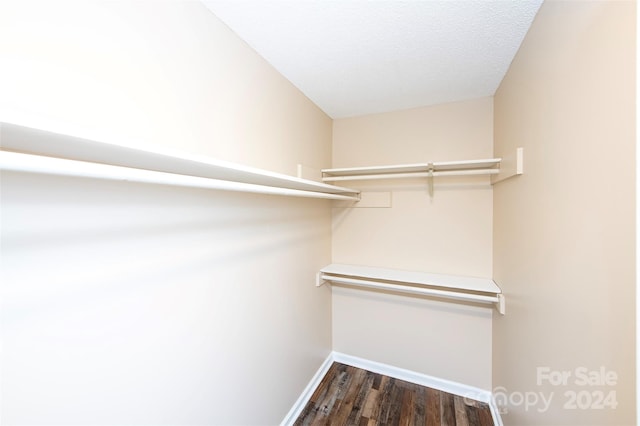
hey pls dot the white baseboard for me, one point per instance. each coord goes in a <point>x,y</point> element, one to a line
<point>397,373</point>
<point>306,394</point>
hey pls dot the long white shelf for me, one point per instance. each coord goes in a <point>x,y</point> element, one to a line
<point>41,151</point>
<point>449,168</point>
<point>473,289</point>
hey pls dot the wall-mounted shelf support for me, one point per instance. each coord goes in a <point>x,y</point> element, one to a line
<point>511,165</point>
<point>430,170</point>
<point>31,150</point>
<point>470,289</point>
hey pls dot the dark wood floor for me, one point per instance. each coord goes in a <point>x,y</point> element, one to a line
<point>352,396</point>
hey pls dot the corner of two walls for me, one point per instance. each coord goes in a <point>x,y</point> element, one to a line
<point>141,304</point>
<point>559,240</point>
<point>450,234</point>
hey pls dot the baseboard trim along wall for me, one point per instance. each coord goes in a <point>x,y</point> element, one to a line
<point>395,372</point>
<point>308,391</point>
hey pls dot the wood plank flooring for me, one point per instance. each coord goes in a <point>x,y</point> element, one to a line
<point>352,396</point>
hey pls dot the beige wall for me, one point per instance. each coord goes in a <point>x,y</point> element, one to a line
<point>564,231</point>
<point>450,234</point>
<point>141,304</point>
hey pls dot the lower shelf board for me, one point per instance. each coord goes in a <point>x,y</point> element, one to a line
<point>352,396</point>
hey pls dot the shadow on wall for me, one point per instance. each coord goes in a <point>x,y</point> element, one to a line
<point>67,241</point>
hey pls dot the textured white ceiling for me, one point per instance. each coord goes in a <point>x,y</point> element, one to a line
<point>355,57</point>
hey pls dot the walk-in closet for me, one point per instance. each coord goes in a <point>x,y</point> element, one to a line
<point>272,212</point>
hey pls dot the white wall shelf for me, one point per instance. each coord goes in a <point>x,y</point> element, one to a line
<point>513,165</point>
<point>449,168</point>
<point>39,151</point>
<point>471,289</point>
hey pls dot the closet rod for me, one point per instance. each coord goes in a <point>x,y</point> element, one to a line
<point>20,162</point>
<point>412,290</point>
<point>412,174</point>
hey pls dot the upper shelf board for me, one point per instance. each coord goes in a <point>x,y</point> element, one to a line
<point>415,168</point>
<point>485,285</point>
<point>27,140</point>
